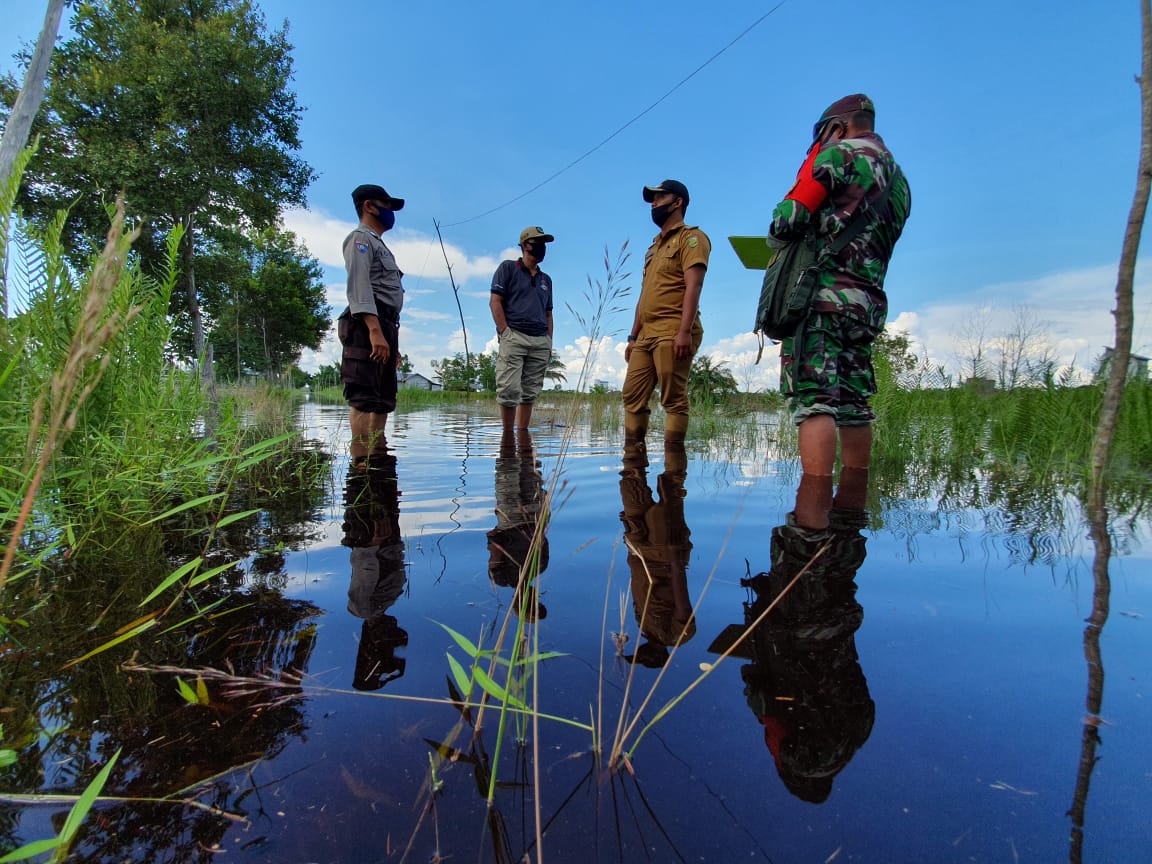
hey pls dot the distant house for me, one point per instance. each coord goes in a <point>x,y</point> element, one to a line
<point>1137,366</point>
<point>416,380</point>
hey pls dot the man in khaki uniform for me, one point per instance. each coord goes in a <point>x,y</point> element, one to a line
<point>666,330</point>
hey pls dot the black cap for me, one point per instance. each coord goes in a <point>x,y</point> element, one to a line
<point>674,186</point>
<point>372,192</point>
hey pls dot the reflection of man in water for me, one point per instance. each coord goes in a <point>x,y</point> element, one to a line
<point>659,546</point>
<point>372,530</point>
<point>805,684</point>
<point>514,559</point>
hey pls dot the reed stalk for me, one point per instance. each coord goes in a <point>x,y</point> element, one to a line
<point>56,410</point>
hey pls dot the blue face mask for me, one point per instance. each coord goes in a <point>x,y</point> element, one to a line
<point>386,218</point>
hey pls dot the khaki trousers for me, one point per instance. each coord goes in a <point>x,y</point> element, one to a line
<point>654,364</point>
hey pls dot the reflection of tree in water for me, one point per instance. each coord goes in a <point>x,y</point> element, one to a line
<point>168,745</point>
<point>171,749</point>
<point>659,548</point>
<point>291,493</point>
<point>1035,514</point>
<point>1090,739</point>
<point>804,683</point>
<point>513,546</point>
<point>372,532</point>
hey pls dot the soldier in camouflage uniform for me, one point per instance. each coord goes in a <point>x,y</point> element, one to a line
<point>826,369</point>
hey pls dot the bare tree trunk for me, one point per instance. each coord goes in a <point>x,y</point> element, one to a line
<point>1090,735</point>
<point>1118,371</point>
<point>32,93</point>
<point>203,352</point>
<point>19,124</point>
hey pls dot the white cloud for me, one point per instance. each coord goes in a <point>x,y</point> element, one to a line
<point>738,354</point>
<point>426,315</point>
<point>418,254</point>
<point>1073,309</point>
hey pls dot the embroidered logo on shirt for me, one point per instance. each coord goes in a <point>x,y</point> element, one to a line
<point>693,242</point>
<point>362,248</point>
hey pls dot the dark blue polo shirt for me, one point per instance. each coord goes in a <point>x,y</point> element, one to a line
<point>527,299</point>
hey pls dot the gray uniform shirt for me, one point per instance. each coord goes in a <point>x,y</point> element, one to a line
<point>372,273</point>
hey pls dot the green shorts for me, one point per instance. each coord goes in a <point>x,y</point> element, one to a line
<point>831,373</point>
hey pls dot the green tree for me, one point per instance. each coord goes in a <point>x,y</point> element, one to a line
<point>183,104</point>
<point>455,373</point>
<point>556,370</point>
<point>709,381</point>
<point>263,300</point>
<point>327,375</point>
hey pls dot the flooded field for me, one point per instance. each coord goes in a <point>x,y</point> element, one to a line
<point>924,687</point>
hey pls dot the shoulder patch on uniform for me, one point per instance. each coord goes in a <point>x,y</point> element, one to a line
<point>693,242</point>
<point>362,248</point>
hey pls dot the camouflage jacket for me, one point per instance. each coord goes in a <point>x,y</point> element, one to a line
<point>853,171</point>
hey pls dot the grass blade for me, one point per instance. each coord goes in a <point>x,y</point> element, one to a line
<point>208,574</point>
<point>135,631</point>
<point>187,505</point>
<point>31,850</point>
<point>175,577</point>
<point>187,692</point>
<point>465,644</point>
<point>463,681</point>
<point>236,517</point>
<point>496,691</point>
<point>79,811</point>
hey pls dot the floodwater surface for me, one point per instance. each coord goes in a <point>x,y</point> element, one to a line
<point>921,689</point>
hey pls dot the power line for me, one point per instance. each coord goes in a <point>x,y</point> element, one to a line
<point>589,152</point>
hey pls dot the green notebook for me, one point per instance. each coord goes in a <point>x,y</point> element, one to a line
<point>753,252</point>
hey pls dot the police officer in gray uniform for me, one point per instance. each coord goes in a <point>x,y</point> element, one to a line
<point>369,327</point>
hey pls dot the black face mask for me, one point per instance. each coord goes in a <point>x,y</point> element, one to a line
<point>661,213</point>
<point>536,250</point>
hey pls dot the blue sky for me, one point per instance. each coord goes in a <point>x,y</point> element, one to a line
<point>1017,125</point>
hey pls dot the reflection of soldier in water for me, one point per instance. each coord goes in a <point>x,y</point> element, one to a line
<point>372,530</point>
<point>659,547</point>
<point>519,509</point>
<point>805,683</point>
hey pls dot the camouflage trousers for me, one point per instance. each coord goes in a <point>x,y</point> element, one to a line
<point>827,369</point>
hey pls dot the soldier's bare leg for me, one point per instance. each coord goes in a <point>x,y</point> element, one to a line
<point>855,446</point>
<point>813,501</point>
<point>818,444</point>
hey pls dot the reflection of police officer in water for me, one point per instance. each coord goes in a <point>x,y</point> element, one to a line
<point>519,509</point>
<point>659,546</point>
<point>804,683</point>
<point>372,530</point>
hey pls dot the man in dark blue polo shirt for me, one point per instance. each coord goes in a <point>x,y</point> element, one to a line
<point>522,309</point>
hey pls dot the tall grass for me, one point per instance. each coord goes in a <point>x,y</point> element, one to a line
<point>99,431</point>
